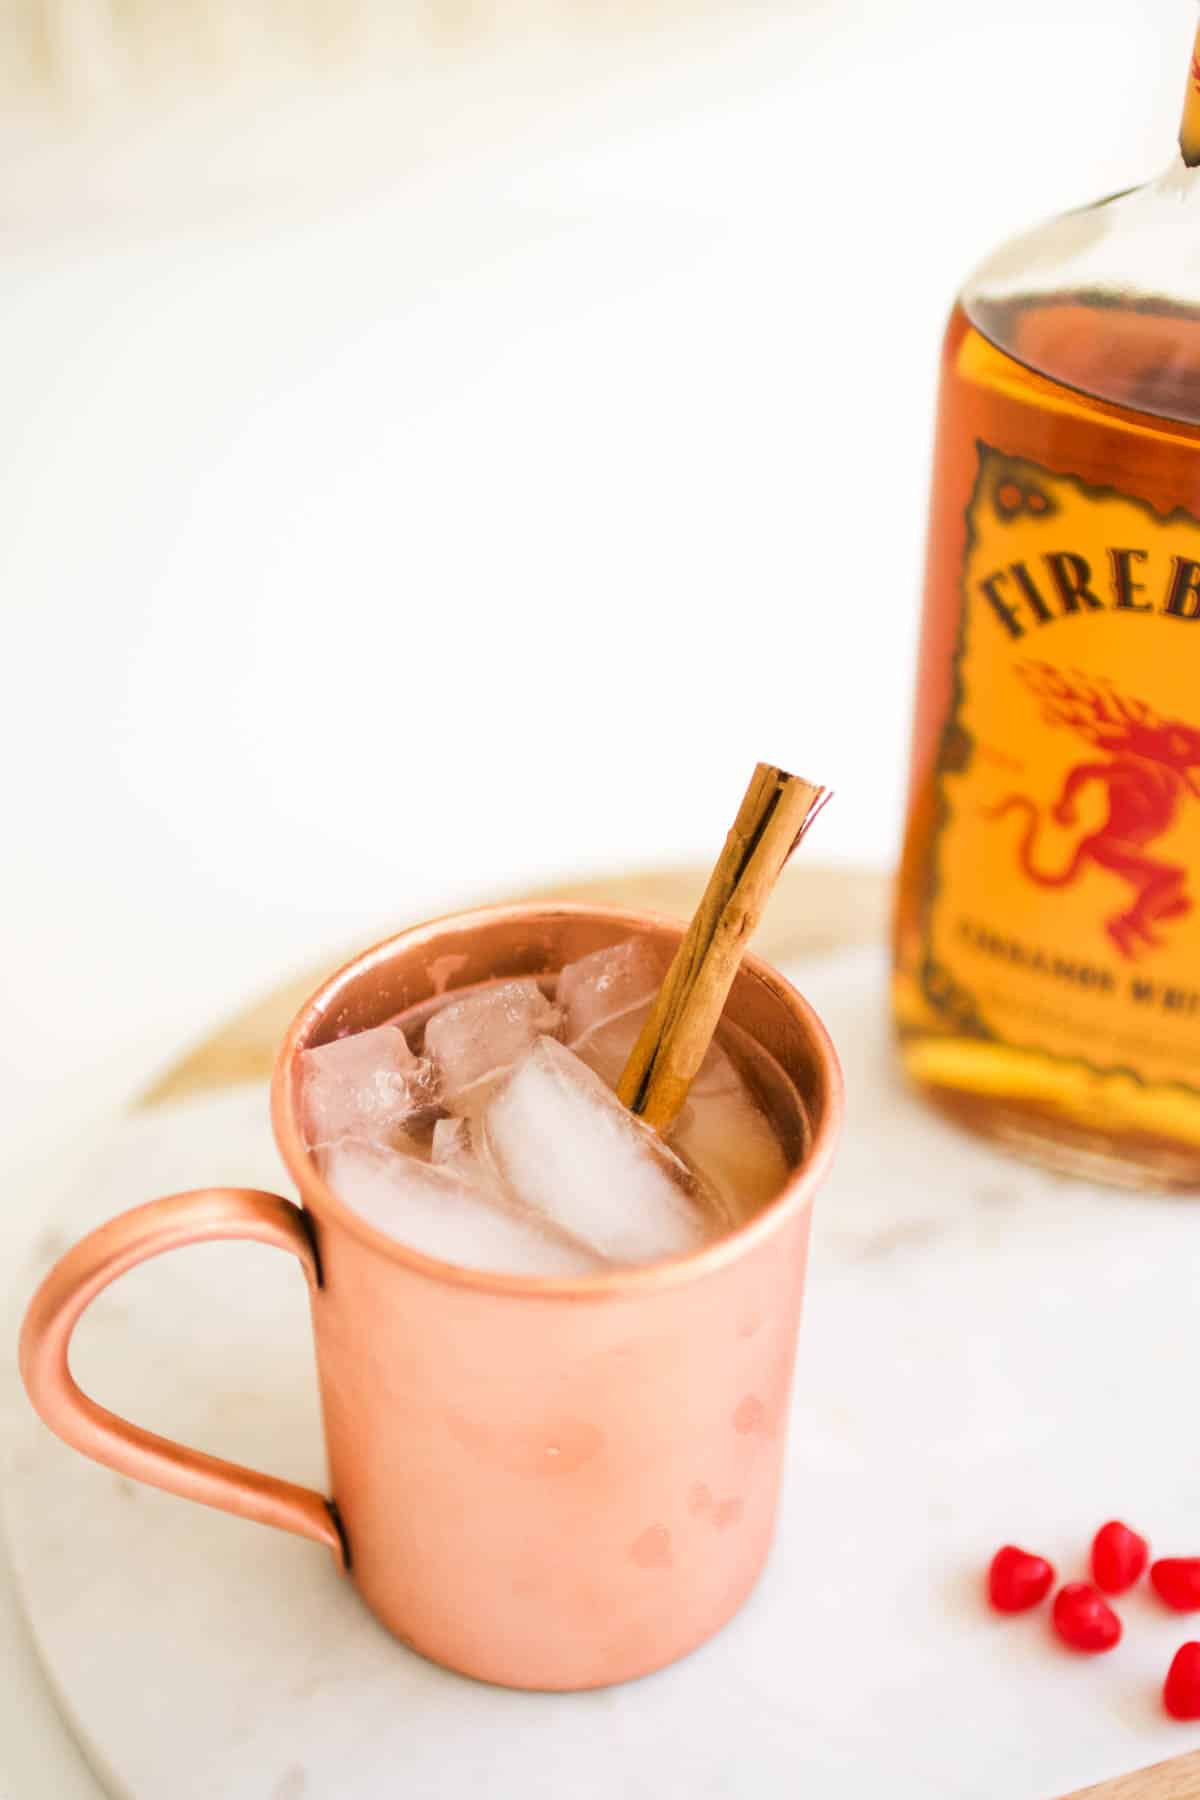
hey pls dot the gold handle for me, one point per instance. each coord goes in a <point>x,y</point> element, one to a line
<point>71,1286</point>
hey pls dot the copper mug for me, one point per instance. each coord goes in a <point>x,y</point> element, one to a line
<point>542,1483</point>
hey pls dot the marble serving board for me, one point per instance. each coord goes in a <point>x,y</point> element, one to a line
<point>988,1353</point>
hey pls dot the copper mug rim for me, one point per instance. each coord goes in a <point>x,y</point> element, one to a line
<point>807,1176</point>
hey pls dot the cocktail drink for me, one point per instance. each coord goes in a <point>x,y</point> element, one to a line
<point>484,1131</point>
<point>554,1231</point>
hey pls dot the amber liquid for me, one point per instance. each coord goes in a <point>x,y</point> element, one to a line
<point>1030,385</point>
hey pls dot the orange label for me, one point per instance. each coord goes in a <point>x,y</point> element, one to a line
<point>1189,130</point>
<point>1064,911</point>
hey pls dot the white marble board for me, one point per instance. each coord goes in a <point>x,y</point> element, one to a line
<point>988,1353</point>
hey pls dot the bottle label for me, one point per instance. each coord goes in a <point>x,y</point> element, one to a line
<point>1063,914</point>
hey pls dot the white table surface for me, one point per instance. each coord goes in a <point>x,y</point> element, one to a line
<point>332,516</point>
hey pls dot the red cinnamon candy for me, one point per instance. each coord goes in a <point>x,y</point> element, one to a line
<point>1176,1580</point>
<point>1119,1557</point>
<point>1018,1580</point>
<point>1181,1689</point>
<point>1084,1620</point>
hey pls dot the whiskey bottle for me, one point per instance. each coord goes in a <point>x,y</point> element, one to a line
<point>1047,930</point>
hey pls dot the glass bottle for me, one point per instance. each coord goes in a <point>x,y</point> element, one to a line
<point>1047,930</point>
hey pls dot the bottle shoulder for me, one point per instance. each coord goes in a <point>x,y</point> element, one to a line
<point>1105,300</point>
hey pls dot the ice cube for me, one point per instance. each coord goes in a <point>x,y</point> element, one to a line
<point>567,1148</point>
<point>728,1139</point>
<point>608,983</point>
<point>607,1047</point>
<point>475,1039</point>
<point>367,1086</point>
<point>451,1141</point>
<point>436,1211</point>
<point>454,1148</point>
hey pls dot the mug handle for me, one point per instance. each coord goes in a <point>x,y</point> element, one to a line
<point>72,1285</point>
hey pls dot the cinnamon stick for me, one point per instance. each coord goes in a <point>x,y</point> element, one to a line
<point>776,811</point>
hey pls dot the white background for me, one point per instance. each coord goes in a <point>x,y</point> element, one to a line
<point>380,535</point>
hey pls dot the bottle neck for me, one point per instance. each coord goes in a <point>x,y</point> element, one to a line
<point>1189,126</point>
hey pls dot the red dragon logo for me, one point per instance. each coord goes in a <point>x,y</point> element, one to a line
<point>1147,776</point>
